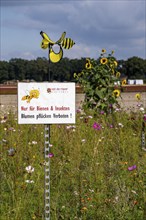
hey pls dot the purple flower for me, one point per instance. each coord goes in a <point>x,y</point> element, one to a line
<point>144,117</point>
<point>102,112</point>
<point>132,168</point>
<point>111,126</point>
<point>50,155</point>
<point>96,126</point>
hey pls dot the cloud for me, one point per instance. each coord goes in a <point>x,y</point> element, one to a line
<point>93,25</point>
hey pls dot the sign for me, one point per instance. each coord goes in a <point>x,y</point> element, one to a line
<point>46,103</point>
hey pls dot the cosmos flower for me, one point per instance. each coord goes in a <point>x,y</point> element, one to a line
<point>29,181</point>
<point>132,168</point>
<point>29,169</point>
<point>96,126</point>
<point>50,155</point>
<point>103,60</point>
<point>116,93</point>
<point>11,152</point>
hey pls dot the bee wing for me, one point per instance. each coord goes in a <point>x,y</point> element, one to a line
<point>46,37</point>
<point>61,38</point>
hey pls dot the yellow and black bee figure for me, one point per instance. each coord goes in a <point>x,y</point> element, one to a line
<point>66,43</point>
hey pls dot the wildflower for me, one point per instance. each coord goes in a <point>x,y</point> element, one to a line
<point>124,82</point>
<point>75,75</point>
<point>141,109</point>
<point>132,168</point>
<point>34,142</point>
<point>121,125</point>
<point>103,60</point>
<point>50,155</point>
<point>103,51</point>
<point>116,93</point>
<point>144,117</point>
<point>76,193</point>
<point>90,116</point>
<point>118,74</point>
<point>88,65</point>
<point>102,112</point>
<point>115,63</point>
<point>83,140</point>
<point>111,126</point>
<point>135,202</point>
<point>134,192</point>
<point>138,96</point>
<point>84,209</point>
<point>29,169</point>
<point>96,126</point>
<point>11,152</point>
<point>29,181</point>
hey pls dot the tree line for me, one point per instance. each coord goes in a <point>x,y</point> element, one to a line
<point>42,70</point>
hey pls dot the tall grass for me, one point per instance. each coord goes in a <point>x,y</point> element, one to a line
<point>90,179</point>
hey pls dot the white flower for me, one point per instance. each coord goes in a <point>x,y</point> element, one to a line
<point>83,140</point>
<point>90,116</point>
<point>34,142</point>
<point>29,169</point>
<point>29,181</point>
<point>121,125</point>
<point>141,109</point>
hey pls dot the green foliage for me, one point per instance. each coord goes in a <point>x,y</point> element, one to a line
<point>38,69</point>
<point>89,171</point>
<point>98,82</point>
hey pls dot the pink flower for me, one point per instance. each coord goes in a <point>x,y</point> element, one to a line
<point>132,168</point>
<point>50,155</point>
<point>96,126</point>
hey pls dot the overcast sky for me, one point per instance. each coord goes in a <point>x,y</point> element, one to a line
<point>118,25</point>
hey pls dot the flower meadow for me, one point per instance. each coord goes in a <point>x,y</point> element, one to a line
<point>98,168</point>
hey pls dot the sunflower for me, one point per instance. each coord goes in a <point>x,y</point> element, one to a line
<point>103,60</point>
<point>138,96</point>
<point>103,51</point>
<point>118,74</point>
<point>115,63</point>
<point>88,65</point>
<point>116,93</point>
<point>124,82</point>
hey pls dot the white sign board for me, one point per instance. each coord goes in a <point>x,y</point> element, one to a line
<point>46,103</point>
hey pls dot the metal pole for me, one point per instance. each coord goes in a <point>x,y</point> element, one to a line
<point>47,164</point>
<point>47,172</point>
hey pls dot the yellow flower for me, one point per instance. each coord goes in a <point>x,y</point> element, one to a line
<point>88,65</point>
<point>103,60</point>
<point>124,82</point>
<point>115,63</point>
<point>118,74</point>
<point>75,75</point>
<point>103,51</point>
<point>116,93</point>
<point>84,209</point>
<point>138,96</point>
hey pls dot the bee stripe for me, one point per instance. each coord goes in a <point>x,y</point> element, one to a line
<point>67,43</point>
